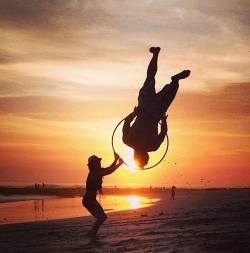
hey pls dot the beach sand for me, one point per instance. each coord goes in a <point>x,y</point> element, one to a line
<point>196,221</point>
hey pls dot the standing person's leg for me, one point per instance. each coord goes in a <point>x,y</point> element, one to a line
<point>147,92</point>
<point>97,211</point>
<point>101,217</point>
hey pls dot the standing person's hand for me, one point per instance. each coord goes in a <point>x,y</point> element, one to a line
<point>117,157</point>
<point>120,161</point>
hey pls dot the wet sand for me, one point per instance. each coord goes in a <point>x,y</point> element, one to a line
<point>196,221</point>
<point>50,208</point>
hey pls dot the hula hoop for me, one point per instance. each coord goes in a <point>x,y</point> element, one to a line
<point>147,168</point>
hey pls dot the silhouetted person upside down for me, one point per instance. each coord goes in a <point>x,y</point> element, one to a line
<point>143,134</point>
<point>93,185</point>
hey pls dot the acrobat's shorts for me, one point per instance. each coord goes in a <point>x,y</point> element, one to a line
<point>156,103</point>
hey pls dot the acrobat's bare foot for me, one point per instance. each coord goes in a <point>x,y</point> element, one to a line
<point>181,75</point>
<point>154,50</point>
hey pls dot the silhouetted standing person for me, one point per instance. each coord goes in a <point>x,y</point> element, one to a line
<point>173,189</point>
<point>94,184</point>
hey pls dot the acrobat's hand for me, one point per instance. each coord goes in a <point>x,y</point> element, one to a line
<point>131,116</point>
<point>164,125</point>
<point>164,117</point>
<point>135,110</point>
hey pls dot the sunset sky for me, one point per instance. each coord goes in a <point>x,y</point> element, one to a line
<point>71,70</point>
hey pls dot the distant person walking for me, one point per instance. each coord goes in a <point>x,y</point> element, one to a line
<point>173,189</point>
<point>94,184</point>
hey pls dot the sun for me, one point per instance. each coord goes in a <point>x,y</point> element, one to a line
<point>130,162</point>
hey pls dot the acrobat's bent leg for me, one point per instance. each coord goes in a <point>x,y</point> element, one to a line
<point>166,96</point>
<point>148,89</point>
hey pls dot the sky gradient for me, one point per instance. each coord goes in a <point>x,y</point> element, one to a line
<point>70,70</point>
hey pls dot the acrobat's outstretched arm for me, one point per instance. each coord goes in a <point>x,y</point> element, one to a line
<point>162,134</point>
<point>128,120</point>
<point>164,128</point>
<point>126,126</point>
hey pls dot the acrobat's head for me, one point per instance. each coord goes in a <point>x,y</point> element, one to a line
<point>141,158</point>
<point>94,162</point>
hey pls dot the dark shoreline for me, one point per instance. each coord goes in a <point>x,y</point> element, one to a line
<point>78,191</point>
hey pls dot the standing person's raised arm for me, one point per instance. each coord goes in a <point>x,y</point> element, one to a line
<point>114,166</point>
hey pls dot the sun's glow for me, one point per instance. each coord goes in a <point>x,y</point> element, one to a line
<point>130,162</point>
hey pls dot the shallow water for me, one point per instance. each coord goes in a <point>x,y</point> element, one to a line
<point>59,208</point>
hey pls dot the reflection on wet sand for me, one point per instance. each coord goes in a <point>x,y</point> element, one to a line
<point>38,205</point>
<point>58,208</point>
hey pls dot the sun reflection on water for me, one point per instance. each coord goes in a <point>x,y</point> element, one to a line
<point>60,208</point>
<point>134,202</point>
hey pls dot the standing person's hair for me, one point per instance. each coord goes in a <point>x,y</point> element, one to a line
<point>92,162</point>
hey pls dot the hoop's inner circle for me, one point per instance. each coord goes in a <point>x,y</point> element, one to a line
<point>127,153</point>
